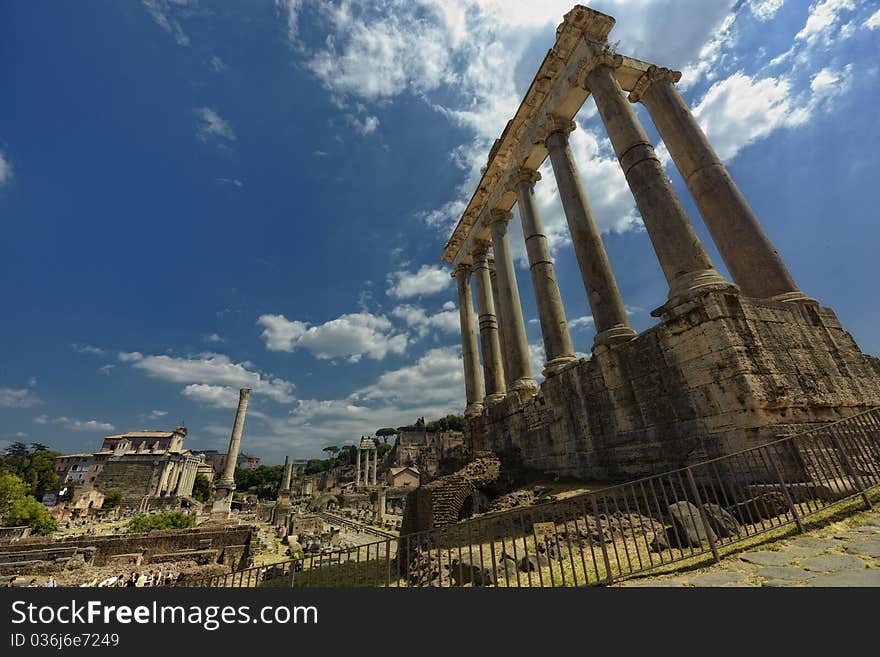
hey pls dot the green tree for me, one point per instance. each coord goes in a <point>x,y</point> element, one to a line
<point>27,511</point>
<point>12,489</point>
<point>202,488</point>
<point>112,499</point>
<point>381,450</point>
<point>384,432</point>
<point>264,480</point>
<point>35,466</point>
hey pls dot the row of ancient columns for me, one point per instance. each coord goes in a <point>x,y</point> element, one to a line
<point>178,477</point>
<point>754,264</point>
<point>369,473</point>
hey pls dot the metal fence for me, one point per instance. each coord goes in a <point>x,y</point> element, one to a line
<point>611,534</point>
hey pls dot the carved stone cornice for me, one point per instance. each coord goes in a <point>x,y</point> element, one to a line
<point>652,75</point>
<point>481,253</point>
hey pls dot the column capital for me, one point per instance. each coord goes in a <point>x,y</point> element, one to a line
<point>524,175</point>
<point>481,253</point>
<point>461,268</point>
<point>557,131</point>
<point>604,57</point>
<point>649,77</point>
<point>499,215</point>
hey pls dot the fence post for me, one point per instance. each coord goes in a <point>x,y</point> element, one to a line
<point>788,498</point>
<point>710,534</point>
<point>847,464</point>
<point>608,576</point>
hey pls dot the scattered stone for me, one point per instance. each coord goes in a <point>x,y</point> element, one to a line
<point>688,525</point>
<point>661,541</point>
<point>766,505</point>
<point>831,563</point>
<point>721,522</point>
<point>473,572</point>
<point>533,562</point>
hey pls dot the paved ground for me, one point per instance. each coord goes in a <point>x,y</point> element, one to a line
<point>845,554</point>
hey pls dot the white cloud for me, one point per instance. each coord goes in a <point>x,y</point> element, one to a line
<point>764,10</point>
<point>160,11</point>
<point>106,369</point>
<point>214,337</point>
<point>89,349</point>
<point>824,17</point>
<point>349,336</point>
<point>211,124</point>
<point>417,318</point>
<point>435,378</point>
<point>211,369</point>
<point>219,396</point>
<point>75,425</point>
<point>872,23</point>
<point>5,169</point>
<point>584,322</point>
<point>366,126</point>
<point>429,279</point>
<point>217,65</point>
<point>18,398</point>
<point>156,414</point>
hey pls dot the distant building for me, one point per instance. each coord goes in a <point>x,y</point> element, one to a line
<point>73,468</point>
<point>424,450</point>
<point>217,460</point>
<point>404,477</point>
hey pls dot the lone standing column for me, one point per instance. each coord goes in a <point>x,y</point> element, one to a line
<point>509,308</point>
<point>684,261</point>
<point>502,340</point>
<point>754,263</point>
<point>493,370</point>
<point>558,349</point>
<point>473,380</point>
<point>227,479</point>
<point>285,484</point>
<point>606,304</point>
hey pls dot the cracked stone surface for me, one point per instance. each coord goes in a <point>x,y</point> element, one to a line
<point>850,558</point>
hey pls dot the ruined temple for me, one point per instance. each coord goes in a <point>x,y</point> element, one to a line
<point>730,363</point>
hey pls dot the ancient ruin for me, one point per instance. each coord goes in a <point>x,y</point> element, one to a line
<point>224,488</point>
<point>731,364</point>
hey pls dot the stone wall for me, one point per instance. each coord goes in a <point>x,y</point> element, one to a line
<point>232,545</point>
<point>719,374</point>
<point>134,479</point>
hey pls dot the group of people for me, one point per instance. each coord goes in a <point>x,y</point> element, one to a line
<point>49,583</point>
<point>137,579</point>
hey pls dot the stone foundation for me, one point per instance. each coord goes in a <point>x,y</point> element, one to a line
<point>721,373</point>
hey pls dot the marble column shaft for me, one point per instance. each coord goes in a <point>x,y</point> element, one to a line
<point>684,261</point>
<point>227,480</point>
<point>606,304</point>
<point>357,468</point>
<point>502,338</point>
<point>473,379</point>
<point>753,261</point>
<point>558,349</point>
<point>493,370</point>
<point>373,471</point>
<point>509,308</point>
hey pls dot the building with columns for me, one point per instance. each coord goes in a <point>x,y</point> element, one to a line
<point>367,455</point>
<point>730,364</point>
<point>144,465</point>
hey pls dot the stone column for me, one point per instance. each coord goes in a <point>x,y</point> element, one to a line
<point>373,471</point>
<point>366,467</point>
<point>473,380</point>
<point>509,308</point>
<point>558,349</point>
<point>181,481</point>
<point>684,261</point>
<point>357,468</point>
<point>502,339</point>
<point>606,304</point>
<point>493,370</point>
<point>226,484</point>
<point>754,263</point>
<point>285,484</point>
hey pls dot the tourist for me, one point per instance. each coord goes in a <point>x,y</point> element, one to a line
<point>11,583</point>
<point>50,583</point>
<point>33,583</point>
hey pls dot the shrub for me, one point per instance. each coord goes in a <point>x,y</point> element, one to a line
<point>143,523</point>
<point>27,511</point>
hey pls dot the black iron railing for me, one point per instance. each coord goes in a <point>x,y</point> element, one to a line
<point>611,534</point>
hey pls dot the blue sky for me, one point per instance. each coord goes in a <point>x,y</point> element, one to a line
<point>197,196</point>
